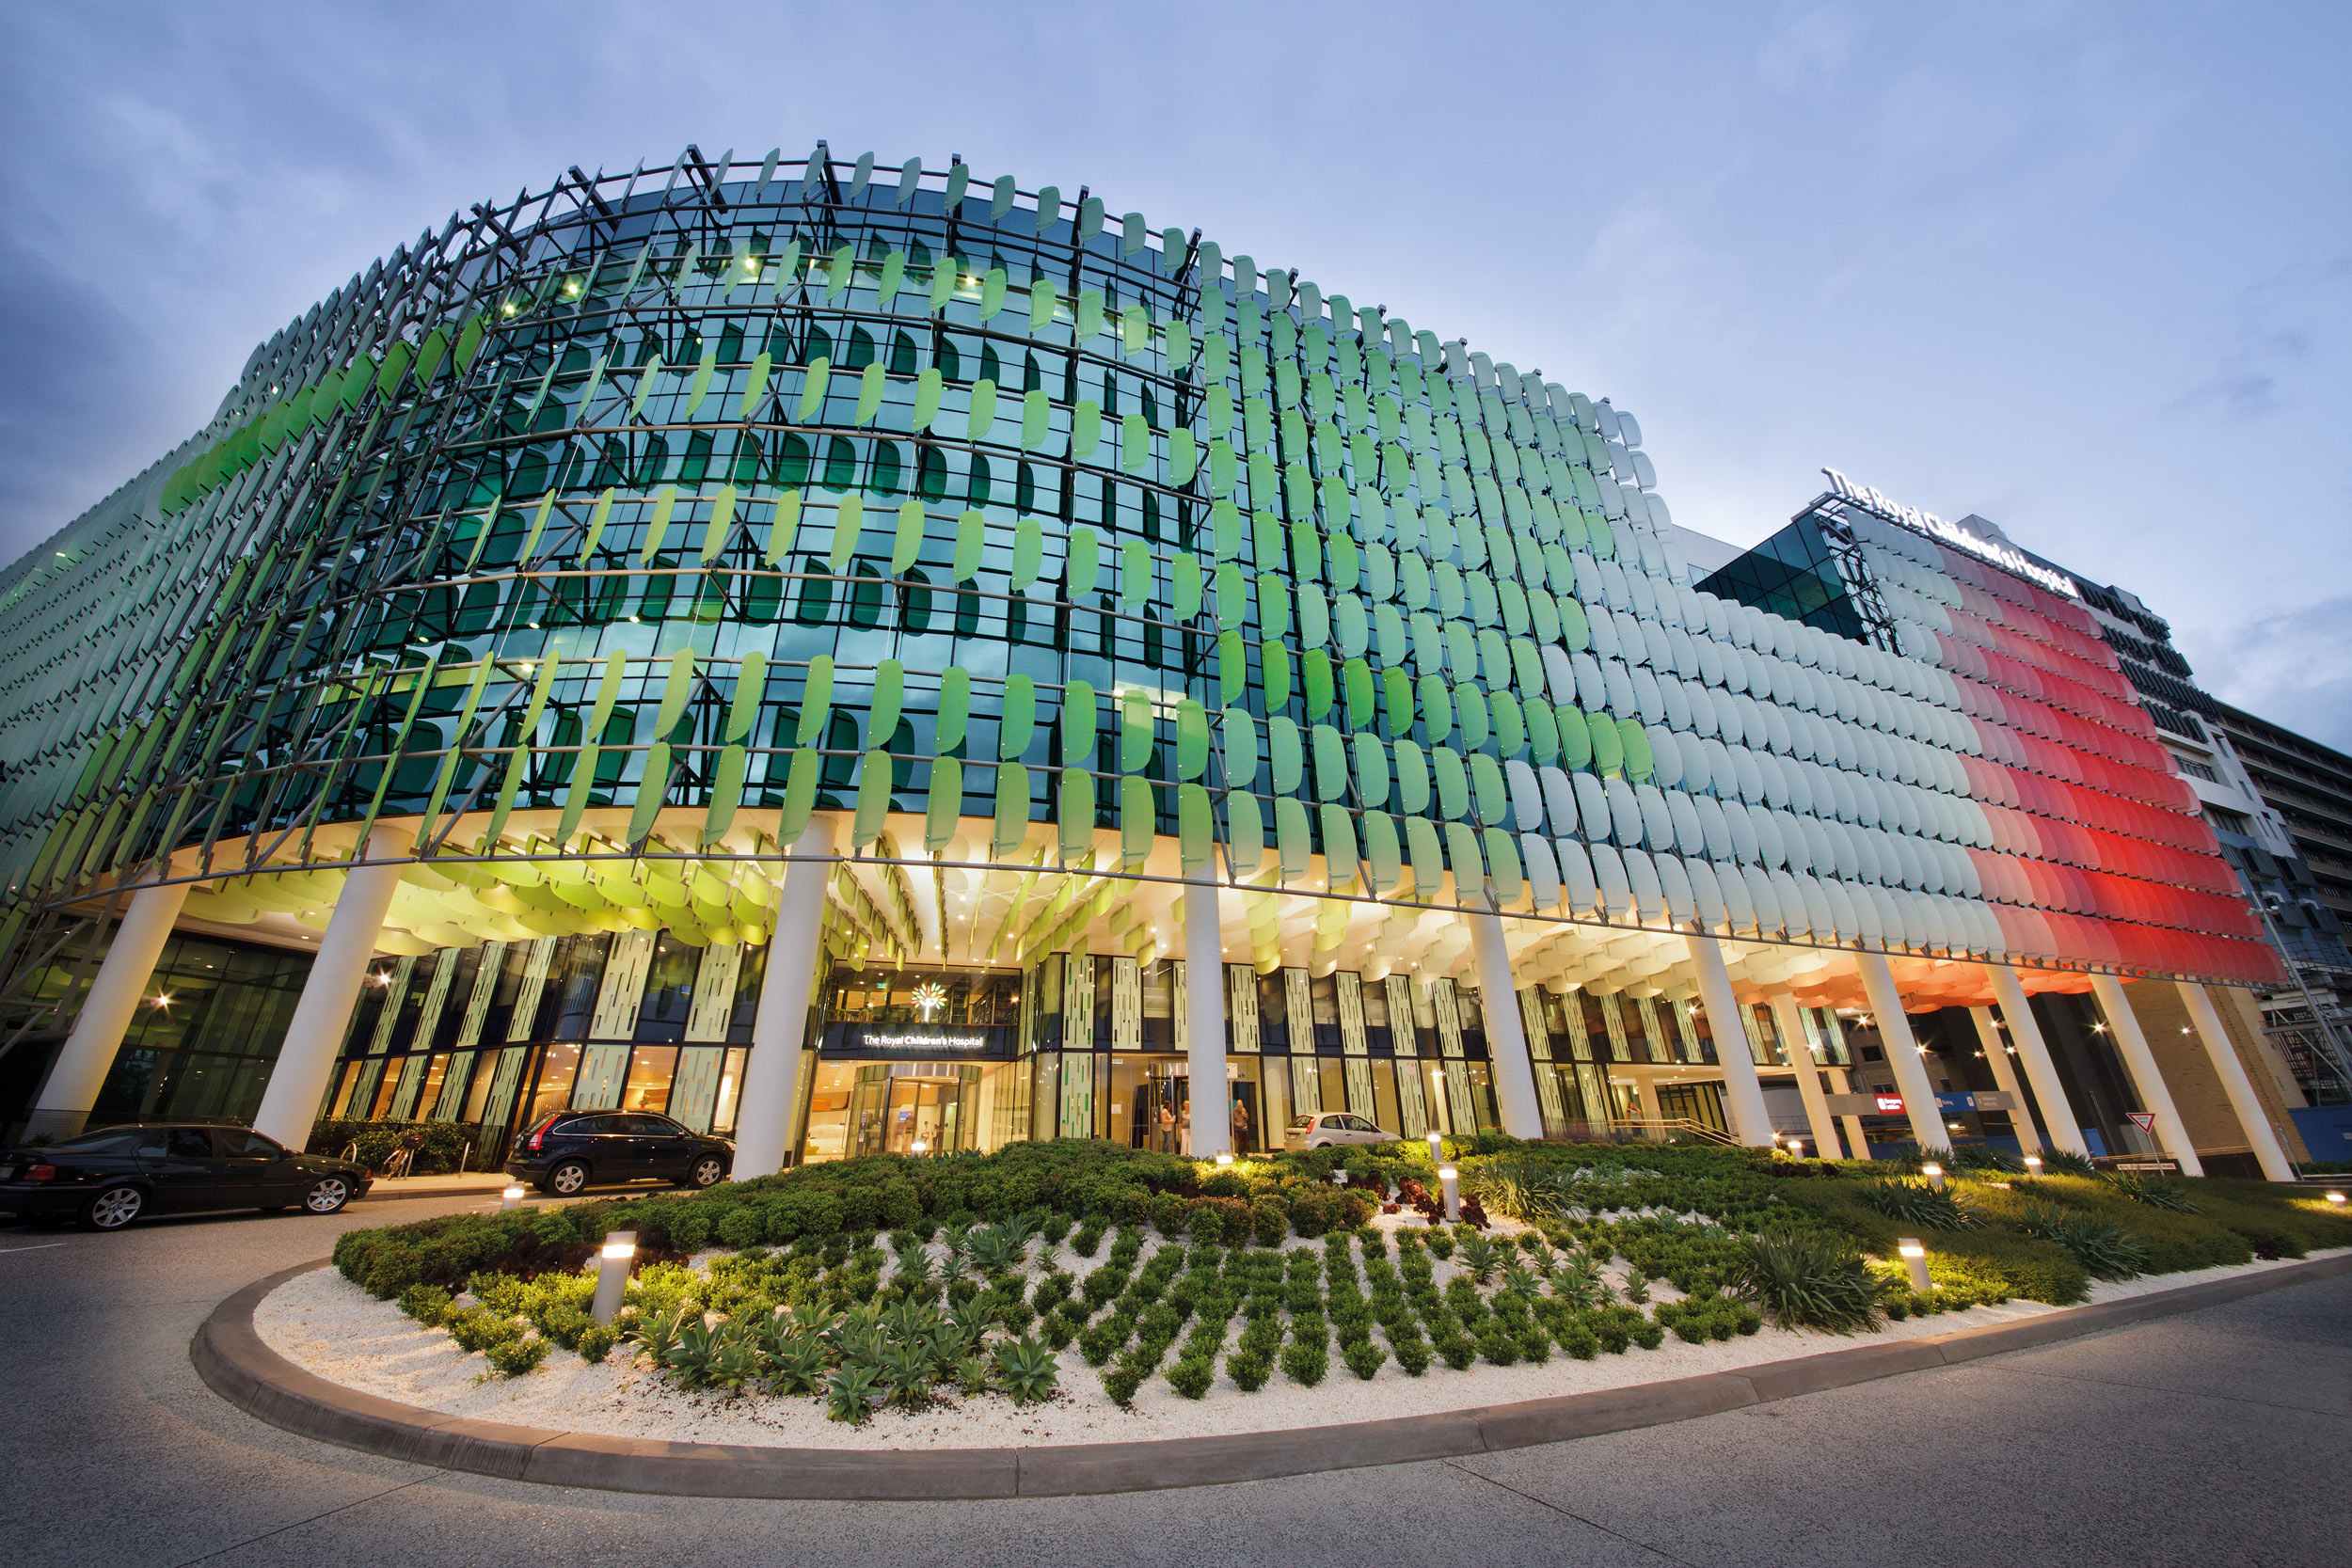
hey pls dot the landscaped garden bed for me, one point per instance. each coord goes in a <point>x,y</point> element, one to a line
<point>1064,1292</point>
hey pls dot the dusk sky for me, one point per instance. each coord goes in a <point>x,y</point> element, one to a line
<point>2085,270</point>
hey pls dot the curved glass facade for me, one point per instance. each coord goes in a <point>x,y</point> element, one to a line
<point>583,553</point>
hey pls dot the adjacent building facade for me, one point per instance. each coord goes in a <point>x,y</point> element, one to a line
<point>897,661</point>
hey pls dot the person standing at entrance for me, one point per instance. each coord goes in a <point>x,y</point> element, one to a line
<point>1184,1129</point>
<point>1167,1128</point>
<point>1241,1124</point>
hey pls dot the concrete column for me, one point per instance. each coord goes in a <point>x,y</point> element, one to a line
<point>80,1070</point>
<point>1792,1037</point>
<point>1506,1032</point>
<point>1856,1140</point>
<point>2058,1117</point>
<point>2240,1089</point>
<point>1204,1021</point>
<point>321,1015</point>
<point>1750,1123</point>
<point>772,1079</point>
<point>1903,1053</point>
<point>2142,1062</point>
<point>2005,1074</point>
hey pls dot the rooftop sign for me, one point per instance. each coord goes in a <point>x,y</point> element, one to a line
<point>1951,533</point>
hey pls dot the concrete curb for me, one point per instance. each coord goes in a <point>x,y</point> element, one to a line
<point>231,1356</point>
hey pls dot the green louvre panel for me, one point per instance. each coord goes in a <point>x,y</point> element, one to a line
<point>1090,315</point>
<point>1469,711</point>
<point>1397,688</point>
<point>1135,331</point>
<point>1314,617</point>
<point>394,366</point>
<point>906,546</point>
<point>1494,800</point>
<point>1225,518</point>
<point>1265,529</point>
<point>676,690</point>
<point>1350,626</point>
<point>1184,456</point>
<point>1134,732</point>
<point>1510,732</point>
<point>700,388</point>
<point>1196,827</point>
<point>944,807</point>
<point>650,790</point>
<point>751,684</point>
<point>1135,443</point>
<point>1362,703</point>
<point>849,522</point>
<point>1639,761</point>
<point>955,707</point>
<point>928,387</point>
<point>981,419</point>
<point>657,528</point>
<point>1452,781</point>
<point>1036,413</point>
<point>1192,740</point>
<point>470,342</point>
<point>1075,812</point>
<point>871,384</point>
<point>1043,298</point>
<point>1274,660</point>
<point>1084,561</point>
<point>1274,605</point>
<point>881,721</point>
<point>1240,735</point>
<point>1427,850</point>
<point>1085,429</point>
<point>1382,854</point>
<point>1468,866</point>
<point>1576,738</point>
<point>1184,570</point>
<point>1245,834</point>
<point>1413,779</point>
<point>429,355</point>
<point>1136,823</point>
<point>811,387</point>
<point>1371,770</point>
<point>816,700</point>
<point>971,535</point>
<point>1285,754</point>
<point>1436,706</point>
<point>1020,720</point>
<point>715,533</point>
<point>873,798</point>
<point>1029,552</point>
<point>1078,716</point>
<point>1502,866</point>
<point>1012,810</point>
<point>1233,666</point>
<point>1543,731</point>
<point>1339,844</point>
<point>1608,744</point>
<point>894,274</point>
<point>1316,667</point>
<point>1294,837</point>
<point>1330,753</point>
<point>1222,473</point>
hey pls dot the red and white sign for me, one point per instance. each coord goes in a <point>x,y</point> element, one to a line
<point>2145,1119</point>
<point>1889,1104</point>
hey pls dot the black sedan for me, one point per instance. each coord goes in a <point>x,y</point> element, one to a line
<point>109,1176</point>
<point>566,1150</point>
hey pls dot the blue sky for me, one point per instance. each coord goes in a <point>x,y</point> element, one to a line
<point>2086,270</point>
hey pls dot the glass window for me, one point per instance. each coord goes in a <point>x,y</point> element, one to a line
<point>98,1143</point>
<point>249,1144</point>
<point>556,1071</point>
<point>191,1143</point>
<point>651,1070</point>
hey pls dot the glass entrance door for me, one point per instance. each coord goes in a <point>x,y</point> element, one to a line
<point>923,1109</point>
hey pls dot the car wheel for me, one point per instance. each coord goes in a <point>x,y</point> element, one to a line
<point>113,1208</point>
<point>567,1179</point>
<point>327,1196</point>
<point>709,1171</point>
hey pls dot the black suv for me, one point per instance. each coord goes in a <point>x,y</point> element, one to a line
<point>566,1150</point>
<point>109,1176</point>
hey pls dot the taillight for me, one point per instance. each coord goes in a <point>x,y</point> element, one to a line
<point>42,1173</point>
<point>538,1140</point>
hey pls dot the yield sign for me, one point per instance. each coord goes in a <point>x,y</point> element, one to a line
<point>2147,1119</point>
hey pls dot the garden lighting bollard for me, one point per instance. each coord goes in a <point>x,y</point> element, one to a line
<point>1796,1148</point>
<point>1449,1179</point>
<point>1436,1154</point>
<point>612,1261</point>
<point>1935,1173</point>
<point>2335,1200</point>
<point>1915,1260</point>
<point>2033,1165</point>
<point>1224,1161</point>
<point>919,1147</point>
<point>512,1198</point>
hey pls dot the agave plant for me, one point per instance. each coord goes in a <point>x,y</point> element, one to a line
<point>972,1315</point>
<point>911,1322</point>
<point>1807,1280</point>
<point>914,1263</point>
<point>1578,1282</point>
<point>906,1372</point>
<point>1540,1256</point>
<point>2103,1250</point>
<point>737,1362</point>
<point>996,1249</point>
<point>814,1320</point>
<point>1026,1370</point>
<point>1520,1280</point>
<point>658,1331</point>
<point>2059,1162</point>
<point>947,1345</point>
<point>2168,1195</point>
<point>852,1391</point>
<point>1916,1203</point>
<point>1479,1256</point>
<point>972,1376</point>
<point>697,1349</point>
<point>797,1366</point>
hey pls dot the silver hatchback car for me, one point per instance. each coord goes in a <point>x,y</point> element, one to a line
<point>1332,1127</point>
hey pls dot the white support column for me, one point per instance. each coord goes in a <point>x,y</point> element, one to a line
<point>1903,1053</point>
<point>1857,1141</point>
<point>2005,1074</point>
<point>314,1036</point>
<point>1792,1038</point>
<point>2207,1019</point>
<point>772,1079</point>
<point>2142,1064</point>
<point>80,1070</point>
<point>2058,1117</point>
<point>1750,1123</point>
<point>1204,1021</point>
<point>1506,1033</point>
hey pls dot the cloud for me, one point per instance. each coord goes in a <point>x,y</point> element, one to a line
<point>2293,668</point>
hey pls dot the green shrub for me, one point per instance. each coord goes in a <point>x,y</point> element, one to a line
<point>427,1304</point>
<point>1916,1203</point>
<point>1192,1375</point>
<point>1809,1280</point>
<point>2102,1248</point>
<point>476,1329</point>
<point>1306,1361</point>
<point>2170,1197</point>
<point>513,1357</point>
<point>596,1342</point>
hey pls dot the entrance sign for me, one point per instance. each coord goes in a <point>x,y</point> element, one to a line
<point>1951,533</point>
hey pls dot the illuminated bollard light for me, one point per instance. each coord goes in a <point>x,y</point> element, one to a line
<point>1224,1161</point>
<point>1437,1148</point>
<point>2335,1200</point>
<point>920,1148</point>
<point>612,1261</point>
<point>1915,1260</point>
<point>1935,1173</point>
<point>1450,1179</point>
<point>2033,1165</point>
<point>513,1196</point>
<point>1796,1147</point>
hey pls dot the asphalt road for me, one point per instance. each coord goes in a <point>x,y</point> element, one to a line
<point>2220,1437</point>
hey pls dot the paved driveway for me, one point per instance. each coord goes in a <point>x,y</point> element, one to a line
<point>2216,1438</point>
